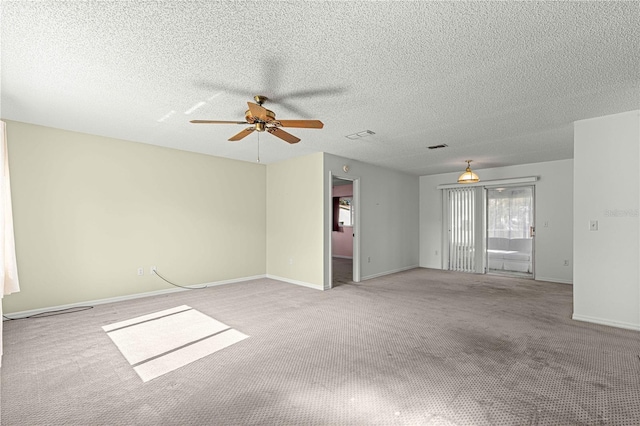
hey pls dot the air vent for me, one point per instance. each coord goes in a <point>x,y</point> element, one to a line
<point>361,134</point>
<point>442,145</point>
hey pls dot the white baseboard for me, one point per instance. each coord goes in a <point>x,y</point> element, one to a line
<point>20,314</point>
<point>381,274</point>
<point>296,282</point>
<point>553,280</point>
<point>610,323</point>
<point>342,257</point>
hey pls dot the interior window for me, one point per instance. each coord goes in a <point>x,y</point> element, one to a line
<point>345,217</point>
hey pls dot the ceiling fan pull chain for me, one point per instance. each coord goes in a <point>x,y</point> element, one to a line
<point>258,160</point>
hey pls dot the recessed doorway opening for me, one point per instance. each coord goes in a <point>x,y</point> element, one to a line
<point>344,226</point>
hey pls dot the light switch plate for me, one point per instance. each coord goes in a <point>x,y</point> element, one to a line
<point>593,225</point>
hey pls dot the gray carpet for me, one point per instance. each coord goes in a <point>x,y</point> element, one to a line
<point>417,347</point>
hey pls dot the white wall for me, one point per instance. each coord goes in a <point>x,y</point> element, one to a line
<point>607,189</point>
<point>388,217</point>
<point>554,205</point>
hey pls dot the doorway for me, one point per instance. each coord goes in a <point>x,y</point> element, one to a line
<point>510,231</point>
<point>343,231</point>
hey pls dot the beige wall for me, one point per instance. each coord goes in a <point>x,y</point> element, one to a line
<point>295,220</point>
<point>90,210</point>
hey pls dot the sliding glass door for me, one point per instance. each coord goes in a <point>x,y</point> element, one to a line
<point>510,230</point>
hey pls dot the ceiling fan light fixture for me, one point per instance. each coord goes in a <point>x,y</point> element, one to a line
<point>468,176</point>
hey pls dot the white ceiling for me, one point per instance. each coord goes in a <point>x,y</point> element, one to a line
<point>499,82</point>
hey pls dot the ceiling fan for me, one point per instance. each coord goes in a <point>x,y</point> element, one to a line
<point>264,120</point>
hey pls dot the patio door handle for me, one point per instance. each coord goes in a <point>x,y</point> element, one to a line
<point>532,231</point>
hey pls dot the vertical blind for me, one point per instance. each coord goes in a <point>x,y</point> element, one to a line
<point>462,204</point>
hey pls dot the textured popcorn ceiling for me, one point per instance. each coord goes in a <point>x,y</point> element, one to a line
<point>499,82</point>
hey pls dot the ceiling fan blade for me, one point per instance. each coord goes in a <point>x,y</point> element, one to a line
<point>287,137</point>
<point>258,111</point>
<point>303,124</point>
<point>217,122</point>
<point>243,134</point>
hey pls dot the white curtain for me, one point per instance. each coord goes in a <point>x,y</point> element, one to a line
<point>9,269</point>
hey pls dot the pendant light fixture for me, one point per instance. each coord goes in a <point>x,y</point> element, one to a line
<point>468,176</point>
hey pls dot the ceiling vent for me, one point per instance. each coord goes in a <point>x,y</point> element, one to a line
<point>361,134</point>
<point>442,145</point>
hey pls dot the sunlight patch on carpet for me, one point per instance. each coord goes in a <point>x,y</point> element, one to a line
<point>158,343</point>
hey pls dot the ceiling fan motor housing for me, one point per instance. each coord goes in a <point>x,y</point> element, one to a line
<point>270,116</point>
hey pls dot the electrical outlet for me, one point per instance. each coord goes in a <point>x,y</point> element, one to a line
<point>566,262</point>
<point>152,270</point>
<point>369,259</point>
<point>140,271</point>
<point>291,261</point>
<point>436,252</point>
